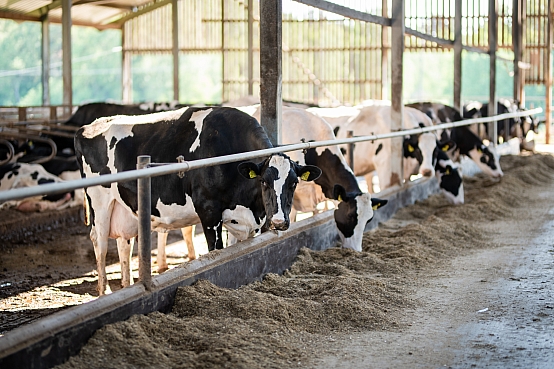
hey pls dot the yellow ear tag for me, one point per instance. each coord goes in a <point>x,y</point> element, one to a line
<point>448,172</point>
<point>479,151</point>
<point>445,147</point>
<point>411,148</point>
<point>252,174</point>
<point>339,198</point>
<point>305,176</point>
<point>375,207</point>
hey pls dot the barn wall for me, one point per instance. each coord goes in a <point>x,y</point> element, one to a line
<point>327,59</point>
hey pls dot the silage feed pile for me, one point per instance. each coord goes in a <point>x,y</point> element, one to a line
<point>279,322</point>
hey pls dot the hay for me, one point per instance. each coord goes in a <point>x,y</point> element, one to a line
<point>279,322</point>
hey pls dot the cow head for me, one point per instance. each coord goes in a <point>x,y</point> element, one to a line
<point>354,211</point>
<point>449,175</point>
<point>487,160</point>
<point>278,176</point>
<point>424,149</point>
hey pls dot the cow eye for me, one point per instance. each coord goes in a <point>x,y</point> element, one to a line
<point>264,183</point>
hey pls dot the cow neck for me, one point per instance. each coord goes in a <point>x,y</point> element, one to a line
<point>334,171</point>
<point>465,140</point>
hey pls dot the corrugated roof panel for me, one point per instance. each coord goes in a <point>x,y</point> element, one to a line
<point>23,6</point>
<point>88,14</point>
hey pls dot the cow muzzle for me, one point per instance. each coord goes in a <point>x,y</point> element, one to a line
<point>279,224</point>
<point>427,172</point>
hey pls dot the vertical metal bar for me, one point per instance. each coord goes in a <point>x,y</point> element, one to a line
<point>22,114</point>
<point>224,90</point>
<point>175,24</point>
<point>53,113</point>
<point>493,43</point>
<point>548,108</point>
<point>66,58</point>
<point>350,134</point>
<point>516,41</point>
<point>144,231</point>
<point>385,55</point>
<point>458,55</point>
<point>127,81</point>
<point>270,68</point>
<point>250,47</point>
<point>45,55</point>
<point>397,111</point>
<point>523,33</point>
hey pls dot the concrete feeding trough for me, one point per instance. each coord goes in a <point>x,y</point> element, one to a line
<point>51,340</point>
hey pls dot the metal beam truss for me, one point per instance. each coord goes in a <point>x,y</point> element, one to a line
<point>332,51</point>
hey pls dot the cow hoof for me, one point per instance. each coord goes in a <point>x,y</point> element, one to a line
<point>161,270</point>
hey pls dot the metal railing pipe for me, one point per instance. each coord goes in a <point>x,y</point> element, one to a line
<point>144,230</point>
<point>162,169</point>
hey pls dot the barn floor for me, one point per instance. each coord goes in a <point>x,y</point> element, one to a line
<point>486,301</point>
<point>493,308</point>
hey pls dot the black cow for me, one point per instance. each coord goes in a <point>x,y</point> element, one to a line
<point>244,197</point>
<point>467,143</point>
<point>517,127</point>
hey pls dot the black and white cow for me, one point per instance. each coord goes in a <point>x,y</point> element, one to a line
<point>370,156</point>
<point>337,181</point>
<point>19,175</point>
<point>244,197</point>
<point>466,141</point>
<point>449,175</point>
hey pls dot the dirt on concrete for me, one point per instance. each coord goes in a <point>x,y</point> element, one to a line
<point>436,286</point>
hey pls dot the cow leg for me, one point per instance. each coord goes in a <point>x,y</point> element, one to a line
<point>293,213</point>
<point>161,259</point>
<point>213,233</point>
<point>231,240</point>
<point>125,250</point>
<point>369,181</point>
<point>100,243</point>
<point>187,236</point>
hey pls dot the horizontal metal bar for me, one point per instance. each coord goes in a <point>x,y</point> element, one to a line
<point>155,171</point>
<point>346,12</point>
<point>424,36</point>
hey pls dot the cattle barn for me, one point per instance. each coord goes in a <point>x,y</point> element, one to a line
<point>293,203</point>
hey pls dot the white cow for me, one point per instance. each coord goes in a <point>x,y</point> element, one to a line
<point>370,156</point>
<point>18,175</point>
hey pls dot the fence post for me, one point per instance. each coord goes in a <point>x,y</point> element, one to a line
<point>144,231</point>
<point>350,134</point>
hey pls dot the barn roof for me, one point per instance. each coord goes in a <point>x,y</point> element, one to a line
<point>100,14</point>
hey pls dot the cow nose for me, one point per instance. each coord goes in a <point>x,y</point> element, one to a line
<point>279,224</point>
<point>427,173</point>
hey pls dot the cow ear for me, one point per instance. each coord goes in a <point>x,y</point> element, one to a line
<point>377,203</point>
<point>249,170</point>
<point>308,172</point>
<point>339,193</point>
<point>446,146</point>
<point>408,147</point>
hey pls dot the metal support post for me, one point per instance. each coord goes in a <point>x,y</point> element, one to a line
<point>458,56</point>
<point>493,44</point>
<point>45,56</point>
<point>144,231</point>
<point>270,68</point>
<point>66,57</point>
<point>350,134</point>
<point>397,111</point>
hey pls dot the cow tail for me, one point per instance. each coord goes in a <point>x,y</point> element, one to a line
<point>86,206</point>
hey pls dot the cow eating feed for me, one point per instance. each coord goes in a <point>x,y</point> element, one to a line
<point>245,197</point>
